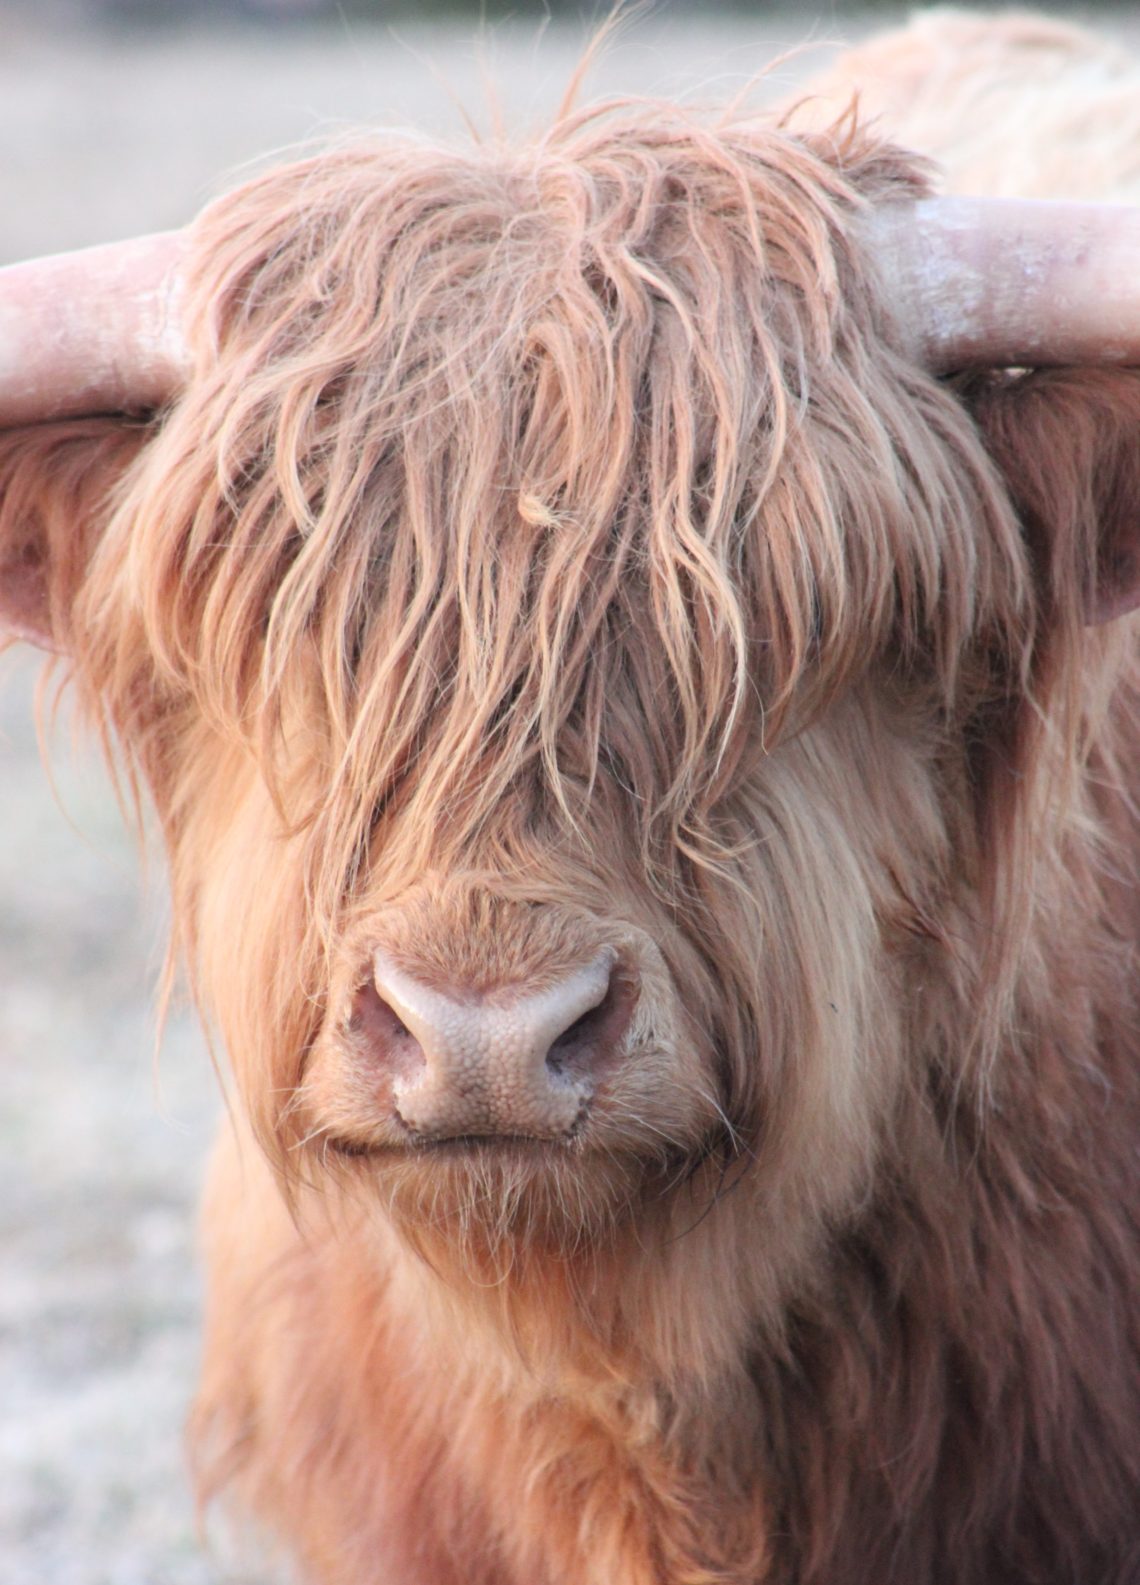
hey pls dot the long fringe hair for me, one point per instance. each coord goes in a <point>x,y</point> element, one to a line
<point>537,467</point>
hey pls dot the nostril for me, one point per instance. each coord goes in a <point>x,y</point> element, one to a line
<point>580,1030</point>
<point>382,1032</point>
<point>596,1034</point>
<point>575,1042</point>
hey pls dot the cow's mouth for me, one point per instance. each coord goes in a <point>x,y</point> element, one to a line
<point>659,1172</point>
<point>490,1206</point>
<point>454,1146</point>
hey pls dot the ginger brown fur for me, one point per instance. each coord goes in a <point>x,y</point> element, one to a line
<point>554,547</point>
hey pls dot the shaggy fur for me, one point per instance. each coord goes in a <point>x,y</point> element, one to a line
<point>970,90</point>
<point>553,548</point>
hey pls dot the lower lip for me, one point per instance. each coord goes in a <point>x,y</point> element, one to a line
<point>460,1145</point>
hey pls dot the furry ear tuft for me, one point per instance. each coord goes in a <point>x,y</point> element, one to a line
<point>55,486</point>
<point>1068,444</point>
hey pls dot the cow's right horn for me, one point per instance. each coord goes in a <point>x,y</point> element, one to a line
<point>95,331</point>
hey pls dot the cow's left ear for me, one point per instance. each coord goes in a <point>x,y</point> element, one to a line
<point>1068,444</point>
<point>56,485</point>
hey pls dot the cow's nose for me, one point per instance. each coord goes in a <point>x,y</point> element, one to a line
<point>510,1061</point>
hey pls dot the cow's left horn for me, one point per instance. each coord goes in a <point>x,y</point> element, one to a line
<point>96,331</point>
<point>1002,283</point>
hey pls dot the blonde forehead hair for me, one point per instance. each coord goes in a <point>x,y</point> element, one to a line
<point>527,463</point>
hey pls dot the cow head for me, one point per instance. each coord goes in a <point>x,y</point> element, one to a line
<point>590,677</point>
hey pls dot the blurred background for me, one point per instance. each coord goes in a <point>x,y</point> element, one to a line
<point>117,117</point>
<point>148,12</point>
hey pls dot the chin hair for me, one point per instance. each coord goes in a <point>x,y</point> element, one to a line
<point>490,1209</point>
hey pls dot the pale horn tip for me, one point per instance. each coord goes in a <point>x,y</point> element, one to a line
<point>94,331</point>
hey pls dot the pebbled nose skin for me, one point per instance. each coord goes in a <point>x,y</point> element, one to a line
<point>507,1062</point>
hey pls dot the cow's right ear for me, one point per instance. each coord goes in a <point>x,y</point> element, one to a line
<point>56,487</point>
<point>1067,442</point>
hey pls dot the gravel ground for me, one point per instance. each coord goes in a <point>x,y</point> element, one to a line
<point>99,1292</point>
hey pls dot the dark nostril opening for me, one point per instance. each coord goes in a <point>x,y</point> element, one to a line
<point>597,1033</point>
<point>580,1029</point>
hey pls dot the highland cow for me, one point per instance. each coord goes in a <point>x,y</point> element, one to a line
<point>642,743</point>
